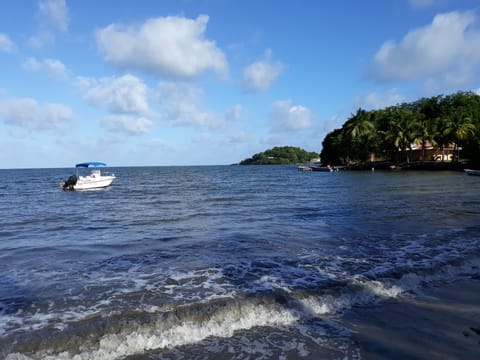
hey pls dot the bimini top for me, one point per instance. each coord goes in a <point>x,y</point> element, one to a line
<point>91,164</point>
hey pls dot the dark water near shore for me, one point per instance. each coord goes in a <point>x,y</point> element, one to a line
<point>221,262</point>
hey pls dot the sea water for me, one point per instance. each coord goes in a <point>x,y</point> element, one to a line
<point>221,262</point>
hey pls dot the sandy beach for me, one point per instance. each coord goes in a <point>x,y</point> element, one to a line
<point>440,323</point>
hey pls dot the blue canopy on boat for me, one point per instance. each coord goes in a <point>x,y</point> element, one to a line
<point>91,164</point>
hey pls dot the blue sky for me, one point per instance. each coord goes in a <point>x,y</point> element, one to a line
<point>200,82</point>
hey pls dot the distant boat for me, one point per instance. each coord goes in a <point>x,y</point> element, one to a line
<point>96,180</point>
<point>304,168</point>
<point>327,168</point>
<point>472,172</point>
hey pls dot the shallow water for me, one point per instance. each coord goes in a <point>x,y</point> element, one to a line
<point>221,261</point>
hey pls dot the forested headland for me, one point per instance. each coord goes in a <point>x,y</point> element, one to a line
<point>443,128</point>
<point>281,155</point>
<point>392,134</point>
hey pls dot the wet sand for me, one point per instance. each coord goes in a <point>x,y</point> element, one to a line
<point>440,323</point>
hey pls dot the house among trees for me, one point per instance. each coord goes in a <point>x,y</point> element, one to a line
<point>430,129</point>
<point>428,152</point>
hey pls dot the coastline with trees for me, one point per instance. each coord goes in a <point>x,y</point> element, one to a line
<point>436,133</point>
<point>441,131</point>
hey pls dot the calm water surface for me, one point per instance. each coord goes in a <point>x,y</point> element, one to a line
<point>221,262</point>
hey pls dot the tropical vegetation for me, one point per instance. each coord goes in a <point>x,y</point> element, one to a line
<point>390,133</point>
<point>281,155</point>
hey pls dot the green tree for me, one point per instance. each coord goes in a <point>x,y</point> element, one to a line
<point>439,120</point>
<point>459,129</point>
<point>280,155</point>
<point>362,132</point>
<point>404,130</point>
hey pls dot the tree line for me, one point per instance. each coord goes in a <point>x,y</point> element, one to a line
<point>281,155</point>
<point>390,133</point>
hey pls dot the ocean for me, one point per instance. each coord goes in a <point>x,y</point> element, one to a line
<point>221,262</point>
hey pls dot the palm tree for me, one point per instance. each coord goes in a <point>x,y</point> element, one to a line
<point>404,130</point>
<point>425,133</point>
<point>441,134</point>
<point>428,110</point>
<point>362,131</point>
<point>459,129</point>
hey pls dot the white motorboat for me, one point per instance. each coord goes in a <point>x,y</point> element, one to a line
<point>95,180</point>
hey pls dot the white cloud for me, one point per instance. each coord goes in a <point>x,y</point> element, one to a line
<point>166,46</point>
<point>6,45</point>
<point>52,16</point>
<point>375,100</point>
<point>125,94</point>
<point>260,75</point>
<point>28,114</point>
<point>128,125</point>
<point>289,117</point>
<point>32,64</point>
<point>447,46</point>
<point>41,39</point>
<point>182,105</point>
<point>54,13</point>
<point>55,68</point>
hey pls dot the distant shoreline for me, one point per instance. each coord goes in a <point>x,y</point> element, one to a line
<point>386,165</point>
<point>414,165</point>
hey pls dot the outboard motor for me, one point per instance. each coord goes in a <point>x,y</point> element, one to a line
<point>70,183</point>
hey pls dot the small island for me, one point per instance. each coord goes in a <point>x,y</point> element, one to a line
<point>282,155</point>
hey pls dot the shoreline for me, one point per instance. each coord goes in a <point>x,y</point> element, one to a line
<point>439,323</point>
<point>413,165</point>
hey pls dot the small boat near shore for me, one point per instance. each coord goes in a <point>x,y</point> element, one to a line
<point>304,168</point>
<point>316,167</point>
<point>327,168</point>
<point>472,172</point>
<point>95,180</point>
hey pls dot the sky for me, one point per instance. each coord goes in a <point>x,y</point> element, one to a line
<point>212,82</point>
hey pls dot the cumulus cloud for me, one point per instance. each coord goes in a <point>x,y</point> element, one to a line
<point>6,44</point>
<point>53,17</point>
<point>54,13</point>
<point>449,45</point>
<point>260,75</point>
<point>128,125</point>
<point>125,94</point>
<point>289,117</point>
<point>55,68</point>
<point>165,46</point>
<point>376,100</point>
<point>28,114</point>
<point>183,106</point>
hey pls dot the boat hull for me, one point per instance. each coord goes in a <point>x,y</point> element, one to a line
<point>98,183</point>
<point>304,168</point>
<point>472,172</point>
<point>95,180</point>
<point>321,168</point>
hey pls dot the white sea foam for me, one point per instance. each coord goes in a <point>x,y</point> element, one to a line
<point>224,322</point>
<point>157,336</point>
